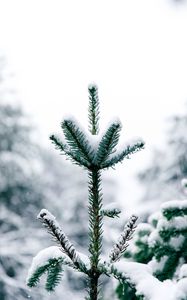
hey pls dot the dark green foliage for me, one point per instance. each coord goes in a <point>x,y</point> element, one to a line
<point>163,242</point>
<point>77,141</point>
<point>108,143</point>
<point>54,277</point>
<point>53,268</point>
<point>125,292</point>
<point>111,213</point>
<point>170,265</point>
<point>171,212</point>
<point>76,159</point>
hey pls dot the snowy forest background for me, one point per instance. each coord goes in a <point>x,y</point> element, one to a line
<point>33,175</point>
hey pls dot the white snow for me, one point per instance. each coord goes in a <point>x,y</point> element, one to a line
<point>181,289</point>
<point>149,286</point>
<point>154,237</point>
<point>179,204</point>
<point>183,271</point>
<point>45,214</point>
<point>154,217</point>
<point>144,227</point>
<point>176,242</point>
<point>111,206</point>
<point>177,222</point>
<point>156,265</point>
<point>92,85</point>
<point>84,258</point>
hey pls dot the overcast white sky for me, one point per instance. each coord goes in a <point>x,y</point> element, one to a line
<point>136,51</point>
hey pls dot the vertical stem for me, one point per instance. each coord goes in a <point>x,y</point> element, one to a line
<point>95,199</point>
<point>93,110</point>
<point>95,230</point>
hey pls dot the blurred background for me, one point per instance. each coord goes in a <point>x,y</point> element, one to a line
<point>136,52</point>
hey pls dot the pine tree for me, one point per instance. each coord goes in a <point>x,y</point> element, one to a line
<point>94,155</point>
<point>162,243</point>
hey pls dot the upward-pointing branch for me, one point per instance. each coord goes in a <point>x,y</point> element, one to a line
<point>93,109</point>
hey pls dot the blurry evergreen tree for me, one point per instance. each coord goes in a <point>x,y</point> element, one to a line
<point>162,243</point>
<point>168,166</point>
<point>162,182</point>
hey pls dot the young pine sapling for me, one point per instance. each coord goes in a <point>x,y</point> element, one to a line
<point>81,149</point>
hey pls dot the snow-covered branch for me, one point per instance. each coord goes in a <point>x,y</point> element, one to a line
<point>122,243</point>
<point>54,229</point>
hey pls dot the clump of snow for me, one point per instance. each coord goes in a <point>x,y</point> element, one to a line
<point>111,206</point>
<point>178,204</point>
<point>144,227</point>
<point>183,271</point>
<point>115,120</point>
<point>92,85</point>
<point>181,289</point>
<point>154,238</point>
<point>153,218</point>
<point>45,214</point>
<point>177,222</point>
<point>156,265</point>
<point>84,258</point>
<point>177,242</point>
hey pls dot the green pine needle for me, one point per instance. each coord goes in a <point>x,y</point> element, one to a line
<point>172,212</point>
<point>93,110</point>
<point>35,278</point>
<point>108,143</point>
<point>77,141</point>
<point>76,159</point>
<point>54,277</point>
<point>124,154</point>
<point>59,145</point>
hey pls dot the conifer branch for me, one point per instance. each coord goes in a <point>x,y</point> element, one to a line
<point>77,141</point>
<point>53,277</point>
<point>130,149</point>
<point>122,243</point>
<point>108,143</point>
<point>54,229</point>
<point>111,213</point>
<point>78,160</point>
<point>171,212</point>
<point>111,270</point>
<point>93,109</point>
<point>34,279</point>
